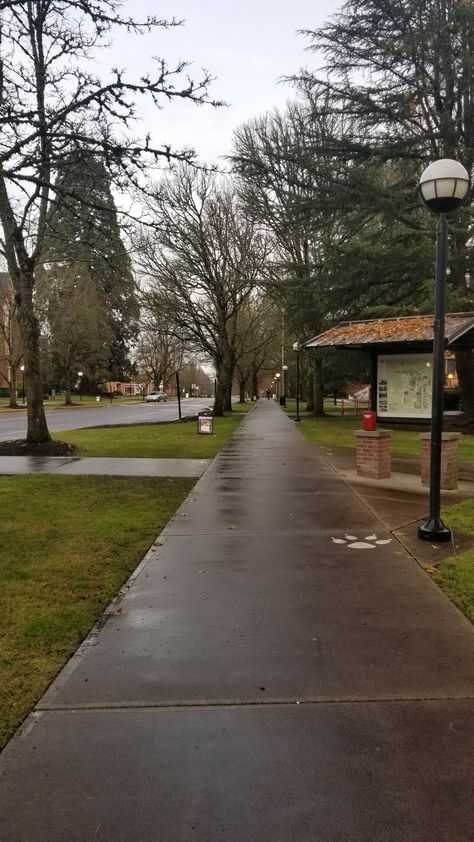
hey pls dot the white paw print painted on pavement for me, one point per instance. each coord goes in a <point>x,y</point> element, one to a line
<point>353,542</point>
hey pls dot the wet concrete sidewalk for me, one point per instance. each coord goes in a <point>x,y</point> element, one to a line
<point>401,502</point>
<point>279,669</point>
<point>103,466</point>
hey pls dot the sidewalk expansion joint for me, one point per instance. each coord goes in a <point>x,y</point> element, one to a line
<point>235,703</point>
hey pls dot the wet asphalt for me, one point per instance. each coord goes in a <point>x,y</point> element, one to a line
<point>272,673</point>
<point>13,423</point>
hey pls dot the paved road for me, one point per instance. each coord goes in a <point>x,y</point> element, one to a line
<point>279,670</point>
<point>13,424</point>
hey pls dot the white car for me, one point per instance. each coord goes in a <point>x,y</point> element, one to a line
<point>156,397</point>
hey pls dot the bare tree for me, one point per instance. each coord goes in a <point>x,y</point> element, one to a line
<point>52,102</point>
<point>258,339</point>
<point>158,354</point>
<point>202,262</point>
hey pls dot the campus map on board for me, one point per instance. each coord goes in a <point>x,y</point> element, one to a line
<point>404,385</point>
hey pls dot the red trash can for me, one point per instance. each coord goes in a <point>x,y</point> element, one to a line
<point>369,421</point>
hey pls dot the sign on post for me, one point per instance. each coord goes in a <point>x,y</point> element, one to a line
<point>205,423</point>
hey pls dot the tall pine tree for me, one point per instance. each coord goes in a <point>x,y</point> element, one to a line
<point>404,72</point>
<point>83,242</point>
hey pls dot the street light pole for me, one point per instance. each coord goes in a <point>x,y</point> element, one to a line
<point>277,375</point>
<point>284,385</point>
<point>296,349</point>
<point>79,374</point>
<point>22,369</point>
<point>178,394</point>
<point>443,187</point>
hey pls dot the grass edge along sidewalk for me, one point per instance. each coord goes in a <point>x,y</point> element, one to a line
<point>455,575</point>
<point>68,544</point>
<point>162,440</point>
<point>331,431</point>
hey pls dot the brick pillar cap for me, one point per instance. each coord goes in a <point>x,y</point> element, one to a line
<point>444,437</point>
<point>372,434</point>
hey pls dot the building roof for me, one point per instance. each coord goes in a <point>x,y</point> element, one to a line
<point>400,330</point>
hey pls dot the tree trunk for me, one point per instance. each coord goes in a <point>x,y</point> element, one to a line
<point>310,391</point>
<point>224,379</point>
<point>255,385</point>
<point>228,398</point>
<point>230,370</point>
<point>37,430</point>
<point>465,372</point>
<point>318,408</point>
<point>219,398</point>
<point>13,402</point>
<point>67,396</point>
<point>242,389</point>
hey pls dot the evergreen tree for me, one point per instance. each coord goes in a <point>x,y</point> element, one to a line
<point>83,241</point>
<point>286,175</point>
<point>76,328</point>
<point>404,72</point>
<point>340,247</point>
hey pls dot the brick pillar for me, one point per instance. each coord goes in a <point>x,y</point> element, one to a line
<point>373,453</point>
<point>449,459</point>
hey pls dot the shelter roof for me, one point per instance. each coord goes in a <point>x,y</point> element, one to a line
<point>400,330</point>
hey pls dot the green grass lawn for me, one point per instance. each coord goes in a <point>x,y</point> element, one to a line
<point>67,545</point>
<point>456,575</point>
<point>171,440</point>
<point>331,431</point>
<point>348,408</point>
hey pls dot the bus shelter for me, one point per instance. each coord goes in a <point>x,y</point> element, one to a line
<point>401,351</point>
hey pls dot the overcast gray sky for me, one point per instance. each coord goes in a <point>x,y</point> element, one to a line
<point>247,44</point>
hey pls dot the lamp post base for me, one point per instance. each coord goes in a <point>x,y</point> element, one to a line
<point>433,529</point>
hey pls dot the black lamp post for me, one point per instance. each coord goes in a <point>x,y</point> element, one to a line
<point>178,394</point>
<point>79,374</point>
<point>284,385</point>
<point>296,349</point>
<point>443,187</point>
<point>277,376</point>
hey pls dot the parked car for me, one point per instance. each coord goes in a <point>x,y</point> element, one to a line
<point>156,397</point>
